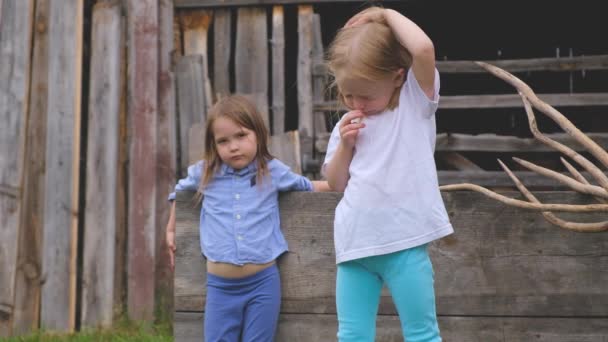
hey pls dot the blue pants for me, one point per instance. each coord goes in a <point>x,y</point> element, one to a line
<point>408,275</point>
<point>243,309</point>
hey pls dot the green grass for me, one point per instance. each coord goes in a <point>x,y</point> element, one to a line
<point>122,332</point>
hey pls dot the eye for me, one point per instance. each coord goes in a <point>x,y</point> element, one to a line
<point>221,141</point>
<point>242,134</point>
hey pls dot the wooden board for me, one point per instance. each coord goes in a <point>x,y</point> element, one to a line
<point>501,101</point>
<point>222,3</point>
<point>320,328</point>
<point>278,70</point>
<point>222,38</point>
<point>15,50</point>
<point>62,166</point>
<point>100,212</point>
<point>190,99</point>
<point>286,148</point>
<point>29,276</point>
<point>196,30</point>
<point>499,179</point>
<point>501,261</point>
<point>143,110</point>
<point>251,57</point>
<point>305,95</point>
<point>598,62</point>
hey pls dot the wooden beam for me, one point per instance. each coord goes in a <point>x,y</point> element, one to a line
<point>305,95</point>
<point>458,161</point>
<point>597,62</point>
<point>143,110</point>
<point>16,22</point>
<point>502,261</point>
<point>62,181</point>
<point>278,70</point>
<point>106,85</point>
<point>166,158</point>
<point>320,328</point>
<point>222,38</point>
<point>29,274</point>
<point>251,57</point>
<point>319,82</point>
<point>499,101</point>
<point>499,179</point>
<point>224,3</point>
<point>196,30</point>
<point>286,147</point>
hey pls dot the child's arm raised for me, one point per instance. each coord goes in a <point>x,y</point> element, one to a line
<point>337,169</point>
<point>412,37</point>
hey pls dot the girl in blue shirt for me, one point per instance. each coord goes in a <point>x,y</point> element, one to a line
<point>240,233</point>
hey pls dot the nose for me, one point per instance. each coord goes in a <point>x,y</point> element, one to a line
<point>233,146</point>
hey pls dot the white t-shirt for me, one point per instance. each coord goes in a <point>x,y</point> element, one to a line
<point>392,200</point>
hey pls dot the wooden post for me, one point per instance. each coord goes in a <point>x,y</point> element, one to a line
<point>221,56</point>
<point>251,57</point>
<point>319,78</point>
<point>62,166</point>
<point>143,109</point>
<point>191,101</point>
<point>305,39</point>
<point>15,39</point>
<point>29,277</point>
<point>166,160</point>
<point>278,71</point>
<point>101,216</point>
<point>196,28</point>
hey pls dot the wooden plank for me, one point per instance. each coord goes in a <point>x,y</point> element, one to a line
<point>597,62</point>
<point>251,57</point>
<point>319,80</point>
<point>223,3</point>
<point>502,261</point>
<point>143,109</point>
<point>100,212</point>
<point>196,29</point>
<point>319,328</point>
<point>501,143</point>
<point>28,277</point>
<point>166,159</point>
<point>15,38</point>
<point>499,179</point>
<point>457,142</point>
<point>62,166</point>
<point>222,38</point>
<point>499,101</point>
<point>286,147</point>
<point>278,70</point>
<point>459,161</point>
<point>190,99</point>
<point>305,96</point>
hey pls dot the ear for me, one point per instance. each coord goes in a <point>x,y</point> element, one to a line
<point>399,77</point>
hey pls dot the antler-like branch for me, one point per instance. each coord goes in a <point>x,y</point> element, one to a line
<point>578,183</point>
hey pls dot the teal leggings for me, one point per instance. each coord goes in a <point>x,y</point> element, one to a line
<point>408,275</point>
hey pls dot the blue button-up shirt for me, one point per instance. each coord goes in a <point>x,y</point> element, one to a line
<point>239,220</point>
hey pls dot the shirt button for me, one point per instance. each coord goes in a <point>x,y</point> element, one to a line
<point>237,196</point>
<point>238,216</point>
<point>239,237</point>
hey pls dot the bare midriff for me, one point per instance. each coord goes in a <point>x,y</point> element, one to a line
<point>225,270</point>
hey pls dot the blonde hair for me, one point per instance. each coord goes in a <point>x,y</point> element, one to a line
<point>242,112</point>
<point>368,51</point>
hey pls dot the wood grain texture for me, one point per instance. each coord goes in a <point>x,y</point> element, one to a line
<point>500,262</point>
<point>320,328</point>
<point>251,57</point>
<point>222,38</point>
<point>278,70</point>
<point>223,3</point>
<point>101,213</point>
<point>28,278</point>
<point>305,95</point>
<point>62,166</point>
<point>15,50</point>
<point>143,29</point>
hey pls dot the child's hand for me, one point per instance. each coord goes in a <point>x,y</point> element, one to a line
<point>374,14</point>
<point>350,126</point>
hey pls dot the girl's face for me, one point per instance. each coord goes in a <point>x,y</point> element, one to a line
<point>370,97</point>
<point>236,145</point>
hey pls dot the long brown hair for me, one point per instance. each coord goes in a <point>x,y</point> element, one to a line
<point>243,112</point>
<point>367,51</point>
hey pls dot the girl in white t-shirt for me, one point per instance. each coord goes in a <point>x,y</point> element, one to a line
<point>381,155</point>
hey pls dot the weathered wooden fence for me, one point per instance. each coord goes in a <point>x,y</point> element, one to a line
<point>504,275</point>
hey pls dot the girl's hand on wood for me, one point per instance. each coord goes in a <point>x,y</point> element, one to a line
<point>349,128</point>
